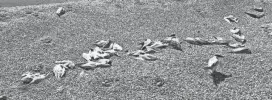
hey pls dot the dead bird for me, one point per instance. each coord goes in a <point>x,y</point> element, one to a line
<point>231,19</point>
<point>135,53</point>
<point>103,43</point>
<point>236,30</point>
<point>59,70</point>
<point>159,44</point>
<point>220,41</point>
<point>218,77</point>
<point>198,41</point>
<point>95,64</point>
<point>87,66</point>
<point>149,49</point>
<point>169,38</point>
<point>60,11</point>
<point>235,45</point>
<point>241,50</point>
<point>238,36</point>
<point>29,78</point>
<point>66,63</point>
<point>147,42</point>
<point>147,57</point>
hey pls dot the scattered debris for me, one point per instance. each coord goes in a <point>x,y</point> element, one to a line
<point>60,11</point>
<point>231,19</point>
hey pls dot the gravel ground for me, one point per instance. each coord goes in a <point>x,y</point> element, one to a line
<point>32,35</point>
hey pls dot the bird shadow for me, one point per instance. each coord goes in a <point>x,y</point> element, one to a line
<point>219,77</point>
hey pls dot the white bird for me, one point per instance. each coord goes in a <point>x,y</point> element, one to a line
<point>116,47</point>
<point>158,44</point>
<point>190,40</point>
<point>235,45</point>
<point>235,31</point>
<point>97,49</point>
<point>241,50</point>
<point>112,52</point>
<point>149,49</point>
<point>220,41</point>
<point>60,11</point>
<point>102,43</point>
<point>169,38</point>
<point>89,65</point>
<point>104,61</point>
<point>59,70</point>
<point>212,63</point>
<point>239,38</point>
<point>231,19</point>
<point>147,42</point>
<point>135,53</point>
<point>147,57</point>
